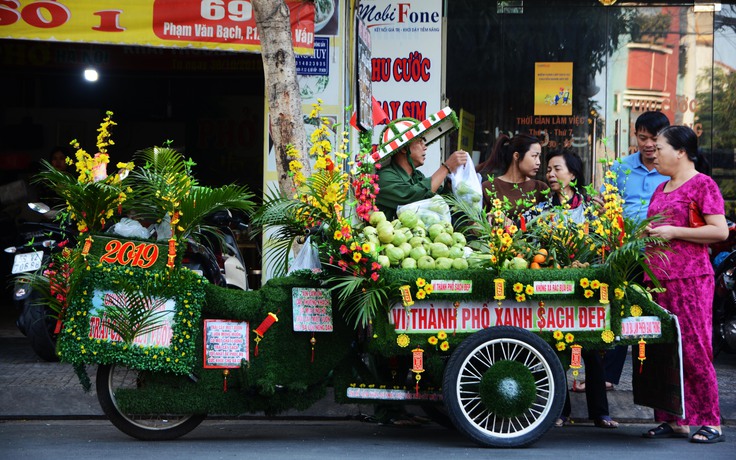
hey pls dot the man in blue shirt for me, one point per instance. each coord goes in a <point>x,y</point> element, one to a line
<point>636,180</point>
<point>636,177</point>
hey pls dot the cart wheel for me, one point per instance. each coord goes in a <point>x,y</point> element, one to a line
<point>504,387</point>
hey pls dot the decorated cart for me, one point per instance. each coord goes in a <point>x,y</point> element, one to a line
<point>481,341</point>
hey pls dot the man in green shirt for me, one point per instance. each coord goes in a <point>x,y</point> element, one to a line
<point>400,182</point>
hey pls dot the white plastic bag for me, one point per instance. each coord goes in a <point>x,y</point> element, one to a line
<point>307,259</point>
<point>466,186</point>
<point>130,228</point>
<point>431,211</point>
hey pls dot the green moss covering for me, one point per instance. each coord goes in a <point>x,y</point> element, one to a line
<point>507,388</point>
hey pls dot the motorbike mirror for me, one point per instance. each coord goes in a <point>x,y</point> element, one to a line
<point>40,208</point>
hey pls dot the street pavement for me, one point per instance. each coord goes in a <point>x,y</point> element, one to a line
<point>35,389</point>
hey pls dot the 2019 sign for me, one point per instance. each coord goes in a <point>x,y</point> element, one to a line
<point>141,255</point>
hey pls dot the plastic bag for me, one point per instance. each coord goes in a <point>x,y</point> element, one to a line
<point>307,259</point>
<point>162,229</point>
<point>130,228</point>
<point>431,211</point>
<point>466,186</point>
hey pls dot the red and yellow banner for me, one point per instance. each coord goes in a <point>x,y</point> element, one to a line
<point>211,24</point>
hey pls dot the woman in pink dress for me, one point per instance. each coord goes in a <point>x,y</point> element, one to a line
<point>687,275</point>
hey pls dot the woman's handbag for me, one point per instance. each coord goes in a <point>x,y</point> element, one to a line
<point>695,217</point>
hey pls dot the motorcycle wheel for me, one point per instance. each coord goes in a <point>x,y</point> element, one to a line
<point>147,427</point>
<point>463,381</point>
<point>39,328</point>
<point>721,308</point>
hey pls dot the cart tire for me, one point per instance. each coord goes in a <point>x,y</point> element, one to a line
<point>39,327</point>
<point>147,427</point>
<point>462,381</point>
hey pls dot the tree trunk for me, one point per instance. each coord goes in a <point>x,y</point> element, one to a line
<point>286,123</point>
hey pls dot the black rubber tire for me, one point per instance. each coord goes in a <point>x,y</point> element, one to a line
<point>39,327</point>
<point>473,357</point>
<point>722,306</point>
<point>146,427</point>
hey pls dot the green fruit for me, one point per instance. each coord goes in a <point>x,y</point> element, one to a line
<point>443,263</point>
<point>383,260</point>
<point>425,263</point>
<point>517,263</point>
<point>438,250</point>
<point>409,218</point>
<point>416,241</point>
<point>444,238</point>
<point>434,230</point>
<point>376,218</point>
<point>459,264</point>
<point>456,252</point>
<point>368,230</point>
<point>385,232</point>
<point>419,231</point>
<point>417,253</point>
<point>459,238</point>
<point>399,238</point>
<point>395,255</point>
<point>406,247</point>
<point>448,226</point>
<point>409,263</point>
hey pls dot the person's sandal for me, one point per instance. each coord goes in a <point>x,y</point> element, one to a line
<point>562,421</point>
<point>605,422</point>
<point>663,431</point>
<point>710,434</point>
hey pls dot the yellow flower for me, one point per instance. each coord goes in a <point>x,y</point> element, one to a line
<point>421,282</point>
<point>357,256</point>
<point>607,336</point>
<point>529,289</point>
<point>636,310</point>
<point>432,340</point>
<point>520,297</point>
<point>518,288</point>
<point>557,335</point>
<point>561,346</point>
<point>584,282</point>
<point>442,335</point>
<point>421,294</point>
<point>366,247</point>
<point>618,293</point>
<point>338,236</point>
<point>569,338</point>
<point>402,340</point>
<point>595,284</point>
<point>444,346</point>
<point>428,288</point>
<point>588,294</point>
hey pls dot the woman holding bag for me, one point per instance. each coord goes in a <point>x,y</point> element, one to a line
<point>687,276</point>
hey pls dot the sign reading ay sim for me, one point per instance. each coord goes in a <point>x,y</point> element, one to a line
<point>430,317</point>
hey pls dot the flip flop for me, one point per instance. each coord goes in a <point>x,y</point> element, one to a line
<point>711,435</point>
<point>663,431</point>
<point>606,422</point>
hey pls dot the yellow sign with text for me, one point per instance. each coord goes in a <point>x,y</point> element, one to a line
<point>227,25</point>
<point>553,88</point>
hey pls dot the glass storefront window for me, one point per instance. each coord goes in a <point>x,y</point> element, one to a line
<point>624,60</point>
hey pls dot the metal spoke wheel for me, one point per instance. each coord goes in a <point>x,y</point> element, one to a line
<point>145,426</point>
<point>535,364</point>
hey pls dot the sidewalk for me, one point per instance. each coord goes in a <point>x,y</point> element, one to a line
<point>32,388</point>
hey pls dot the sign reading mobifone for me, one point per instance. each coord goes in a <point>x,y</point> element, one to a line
<point>312,309</point>
<point>225,343</point>
<point>430,317</point>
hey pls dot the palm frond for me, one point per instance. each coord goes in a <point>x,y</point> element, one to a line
<point>134,311</point>
<point>359,305</point>
<point>469,218</point>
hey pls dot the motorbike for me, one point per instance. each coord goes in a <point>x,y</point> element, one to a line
<point>724,297</point>
<point>40,241</point>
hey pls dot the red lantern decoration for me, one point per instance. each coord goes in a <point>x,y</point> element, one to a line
<point>225,373</point>
<point>575,362</point>
<point>263,327</point>
<point>642,354</point>
<point>406,295</point>
<point>417,365</point>
<point>313,341</point>
<point>87,246</point>
<point>172,252</point>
